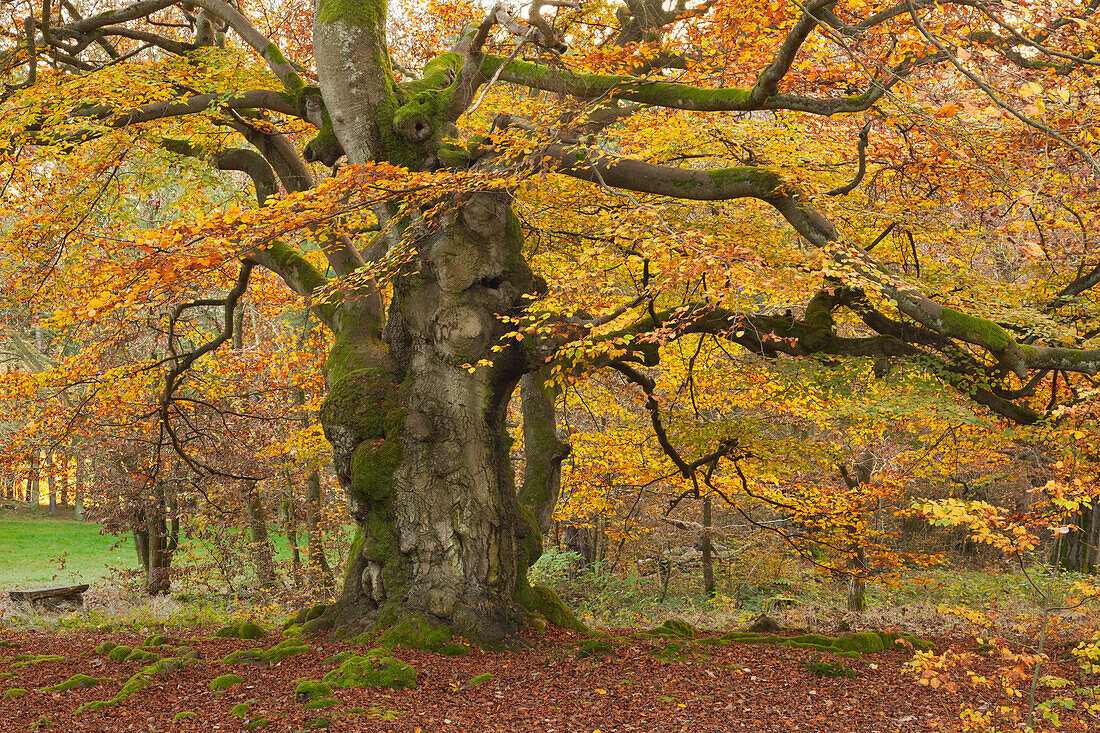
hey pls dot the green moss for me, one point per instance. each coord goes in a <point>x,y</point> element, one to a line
<point>119,653</point>
<point>14,693</point>
<point>105,647</point>
<point>594,647</point>
<point>224,682</point>
<point>864,642</point>
<point>481,678</point>
<point>76,682</point>
<point>241,630</point>
<point>763,179</point>
<point>155,640</point>
<point>141,655</point>
<point>314,612</point>
<point>284,649</point>
<point>288,258</point>
<point>241,709</point>
<point>324,702</point>
<point>312,690</point>
<point>270,656</point>
<point>26,660</point>
<point>540,599</point>
<point>456,649</point>
<point>375,668</point>
<point>317,626</point>
<point>185,715</point>
<point>969,328</point>
<point>160,670</point>
<point>672,629</point>
<point>591,86</point>
<point>829,669</point>
<point>417,632</point>
<point>372,467</point>
<point>362,13</point>
<point>274,56</point>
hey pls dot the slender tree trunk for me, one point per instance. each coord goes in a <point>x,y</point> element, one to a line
<point>79,488</point>
<point>289,517</point>
<point>706,545</point>
<point>63,480</point>
<point>32,483</point>
<point>319,571</point>
<point>262,556</point>
<point>160,544</point>
<point>51,483</point>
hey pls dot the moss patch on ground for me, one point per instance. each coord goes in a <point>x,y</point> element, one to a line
<point>76,682</point>
<point>418,632</point>
<point>241,630</point>
<point>224,682</point>
<point>25,660</point>
<point>271,656</point>
<point>160,670</point>
<point>374,668</point>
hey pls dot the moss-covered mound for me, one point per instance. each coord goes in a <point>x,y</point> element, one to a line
<point>76,682</point>
<point>374,668</point>
<point>157,640</point>
<point>544,601</point>
<point>141,655</point>
<point>418,632</point>
<point>241,630</point>
<point>852,644</point>
<point>25,660</point>
<point>312,690</point>
<point>671,629</point>
<point>14,693</point>
<point>118,653</point>
<point>224,682</point>
<point>160,670</point>
<point>271,656</point>
<point>594,647</point>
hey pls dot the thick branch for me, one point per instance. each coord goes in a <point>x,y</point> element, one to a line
<point>671,94</point>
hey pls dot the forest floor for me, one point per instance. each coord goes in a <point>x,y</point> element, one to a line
<point>635,684</point>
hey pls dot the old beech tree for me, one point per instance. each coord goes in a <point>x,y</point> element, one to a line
<point>426,303</point>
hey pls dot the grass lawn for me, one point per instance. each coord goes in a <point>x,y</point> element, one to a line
<point>37,551</point>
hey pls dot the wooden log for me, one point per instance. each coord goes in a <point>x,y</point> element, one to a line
<point>56,598</point>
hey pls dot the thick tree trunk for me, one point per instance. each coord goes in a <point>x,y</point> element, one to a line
<point>416,415</point>
<point>420,441</point>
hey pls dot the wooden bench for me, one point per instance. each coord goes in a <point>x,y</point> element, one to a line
<point>57,598</point>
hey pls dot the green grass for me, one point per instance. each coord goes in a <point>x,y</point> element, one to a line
<point>37,551</point>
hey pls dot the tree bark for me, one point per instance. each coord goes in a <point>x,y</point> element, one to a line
<point>420,441</point>
<point>51,483</point>
<point>32,482</point>
<point>289,517</point>
<point>263,560</point>
<point>706,547</point>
